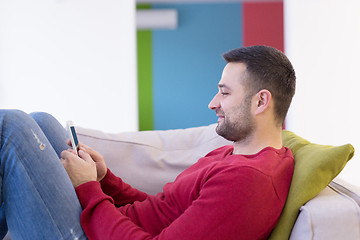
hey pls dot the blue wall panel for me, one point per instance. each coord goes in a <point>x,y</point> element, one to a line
<point>187,62</point>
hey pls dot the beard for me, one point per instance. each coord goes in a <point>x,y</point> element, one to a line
<point>237,127</point>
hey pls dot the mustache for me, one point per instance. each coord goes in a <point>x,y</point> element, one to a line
<point>218,112</point>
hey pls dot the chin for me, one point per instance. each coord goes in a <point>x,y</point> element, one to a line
<point>234,134</point>
<point>224,133</point>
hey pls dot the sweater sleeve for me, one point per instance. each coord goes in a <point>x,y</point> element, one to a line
<point>121,192</point>
<point>232,204</point>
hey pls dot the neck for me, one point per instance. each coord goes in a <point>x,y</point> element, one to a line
<point>258,141</point>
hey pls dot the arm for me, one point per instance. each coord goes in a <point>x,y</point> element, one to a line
<point>91,166</point>
<point>113,186</point>
<point>121,192</point>
<point>237,204</point>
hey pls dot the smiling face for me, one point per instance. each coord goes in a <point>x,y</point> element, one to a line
<point>232,105</point>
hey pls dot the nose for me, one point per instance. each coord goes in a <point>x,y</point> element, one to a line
<point>214,103</point>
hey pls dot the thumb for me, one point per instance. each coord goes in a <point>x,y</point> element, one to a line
<point>85,156</point>
<point>88,149</point>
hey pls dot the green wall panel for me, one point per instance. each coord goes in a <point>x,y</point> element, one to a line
<point>145,95</point>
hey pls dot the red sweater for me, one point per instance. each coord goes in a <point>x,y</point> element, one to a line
<point>222,196</point>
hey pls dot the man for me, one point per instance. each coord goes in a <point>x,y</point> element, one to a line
<point>234,192</point>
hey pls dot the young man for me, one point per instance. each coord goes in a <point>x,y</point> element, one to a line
<point>234,192</point>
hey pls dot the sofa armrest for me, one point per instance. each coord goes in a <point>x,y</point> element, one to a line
<point>331,215</point>
<point>346,188</point>
<point>148,160</point>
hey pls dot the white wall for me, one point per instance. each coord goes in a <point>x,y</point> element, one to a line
<point>322,40</point>
<point>75,59</point>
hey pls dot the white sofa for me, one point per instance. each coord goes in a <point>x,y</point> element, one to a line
<point>149,159</point>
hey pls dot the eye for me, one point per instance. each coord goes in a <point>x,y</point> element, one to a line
<point>224,93</point>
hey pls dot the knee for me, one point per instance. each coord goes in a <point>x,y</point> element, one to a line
<point>40,117</point>
<point>44,120</point>
<point>13,115</point>
<point>11,119</point>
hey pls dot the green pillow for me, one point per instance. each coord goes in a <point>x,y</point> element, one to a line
<point>315,167</point>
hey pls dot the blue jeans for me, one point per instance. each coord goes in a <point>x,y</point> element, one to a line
<point>37,198</point>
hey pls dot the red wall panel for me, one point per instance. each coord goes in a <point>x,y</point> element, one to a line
<point>263,24</point>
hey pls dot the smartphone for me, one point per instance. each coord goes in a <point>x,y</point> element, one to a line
<point>73,136</point>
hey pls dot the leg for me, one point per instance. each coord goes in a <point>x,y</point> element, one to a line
<point>53,130</point>
<point>38,198</point>
<point>3,225</point>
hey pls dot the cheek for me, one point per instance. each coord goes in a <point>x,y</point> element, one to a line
<point>236,112</point>
<point>227,104</point>
<point>230,105</point>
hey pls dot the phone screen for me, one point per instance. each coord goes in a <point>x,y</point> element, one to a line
<point>73,132</point>
<point>73,136</point>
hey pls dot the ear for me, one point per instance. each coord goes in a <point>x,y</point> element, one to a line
<point>262,100</point>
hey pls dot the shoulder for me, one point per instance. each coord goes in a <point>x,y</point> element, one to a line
<point>224,150</point>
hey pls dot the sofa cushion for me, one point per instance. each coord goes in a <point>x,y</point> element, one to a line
<point>147,160</point>
<point>319,219</point>
<point>315,167</point>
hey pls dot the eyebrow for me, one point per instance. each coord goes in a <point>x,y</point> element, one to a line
<point>220,85</point>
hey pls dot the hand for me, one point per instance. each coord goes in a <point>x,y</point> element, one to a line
<point>81,169</point>
<point>97,157</point>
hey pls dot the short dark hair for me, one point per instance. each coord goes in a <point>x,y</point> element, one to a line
<point>267,68</point>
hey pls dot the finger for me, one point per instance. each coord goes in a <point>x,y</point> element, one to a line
<point>85,156</point>
<point>72,151</point>
<point>83,145</point>
<point>84,149</point>
<point>88,149</point>
<point>68,142</point>
<point>94,154</point>
<point>69,153</point>
<point>64,162</point>
<point>63,154</point>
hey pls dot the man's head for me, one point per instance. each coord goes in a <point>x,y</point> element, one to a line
<point>257,73</point>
